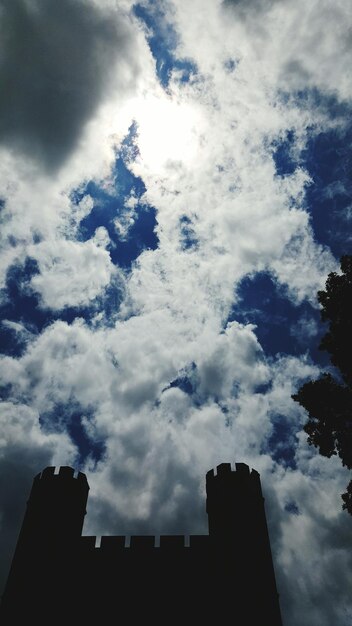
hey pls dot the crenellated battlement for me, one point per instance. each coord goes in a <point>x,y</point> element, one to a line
<point>240,478</point>
<point>225,469</point>
<point>114,543</point>
<point>64,473</point>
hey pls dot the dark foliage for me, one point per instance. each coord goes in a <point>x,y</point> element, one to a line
<point>328,400</point>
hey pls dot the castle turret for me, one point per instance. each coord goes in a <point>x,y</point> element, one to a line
<point>56,507</point>
<point>50,531</point>
<point>234,499</point>
<point>239,535</point>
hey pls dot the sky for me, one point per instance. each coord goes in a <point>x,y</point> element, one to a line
<point>175,186</point>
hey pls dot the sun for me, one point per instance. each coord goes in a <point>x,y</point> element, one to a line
<point>168,131</point>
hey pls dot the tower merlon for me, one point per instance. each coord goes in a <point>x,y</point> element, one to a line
<point>65,472</point>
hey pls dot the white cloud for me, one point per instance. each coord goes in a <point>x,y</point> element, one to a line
<point>304,329</point>
<point>231,359</point>
<point>71,273</point>
<point>312,551</point>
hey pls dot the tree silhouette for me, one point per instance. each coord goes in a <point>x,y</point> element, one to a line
<point>328,399</point>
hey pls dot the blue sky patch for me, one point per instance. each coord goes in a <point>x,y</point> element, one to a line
<point>291,507</point>
<point>12,342</point>
<point>162,40</point>
<point>327,159</point>
<point>184,383</point>
<point>69,418</point>
<point>230,65</point>
<point>329,199</point>
<point>282,442</point>
<point>109,206</point>
<point>284,161</point>
<point>188,237</point>
<point>20,306</point>
<point>188,382</point>
<point>282,327</point>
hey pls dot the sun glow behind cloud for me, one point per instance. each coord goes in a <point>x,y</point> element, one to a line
<point>168,131</point>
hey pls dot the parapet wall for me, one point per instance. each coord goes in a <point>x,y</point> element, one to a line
<point>62,473</point>
<point>144,542</point>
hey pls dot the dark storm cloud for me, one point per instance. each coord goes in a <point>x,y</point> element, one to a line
<point>56,61</point>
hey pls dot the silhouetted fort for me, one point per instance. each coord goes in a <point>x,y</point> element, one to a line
<point>59,576</point>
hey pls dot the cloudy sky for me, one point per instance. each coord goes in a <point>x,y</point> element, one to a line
<point>175,186</point>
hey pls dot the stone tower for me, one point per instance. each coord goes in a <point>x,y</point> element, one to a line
<point>241,545</point>
<point>51,529</point>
